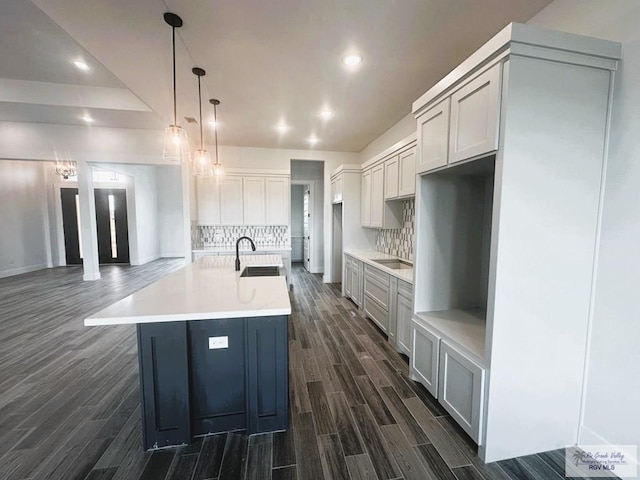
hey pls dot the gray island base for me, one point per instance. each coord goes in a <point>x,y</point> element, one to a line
<point>212,349</point>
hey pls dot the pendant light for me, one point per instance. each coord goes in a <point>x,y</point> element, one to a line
<point>176,144</point>
<point>218,169</point>
<point>201,160</point>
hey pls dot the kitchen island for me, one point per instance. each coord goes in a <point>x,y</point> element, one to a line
<point>212,349</point>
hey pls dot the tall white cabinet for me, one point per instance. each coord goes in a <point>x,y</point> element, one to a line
<point>510,154</point>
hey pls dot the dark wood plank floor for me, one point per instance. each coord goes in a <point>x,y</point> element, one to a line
<point>69,405</point>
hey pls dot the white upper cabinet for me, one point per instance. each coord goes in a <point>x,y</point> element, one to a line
<point>391,173</point>
<point>231,201</point>
<point>208,195</point>
<point>365,207</point>
<point>475,114</point>
<point>377,196</point>
<point>433,137</point>
<point>336,190</point>
<point>253,197</point>
<point>407,173</point>
<point>277,201</point>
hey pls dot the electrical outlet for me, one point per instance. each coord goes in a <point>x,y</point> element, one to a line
<point>216,343</point>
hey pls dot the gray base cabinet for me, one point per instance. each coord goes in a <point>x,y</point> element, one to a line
<point>211,376</point>
<point>353,275</point>
<point>423,366</point>
<point>461,387</point>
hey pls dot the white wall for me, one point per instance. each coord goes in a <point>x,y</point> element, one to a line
<point>142,207</point>
<point>24,229</point>
<point>297,210</point>
<point>312,172</point>
<point>612,395</point>
<point>399,131</point>
<point>170,213</point>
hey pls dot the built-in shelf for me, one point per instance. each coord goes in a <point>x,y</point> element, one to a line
<point>466,328</point>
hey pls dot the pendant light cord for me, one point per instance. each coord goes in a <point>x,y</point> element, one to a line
<point>215,122</point>
<point>200,105</point>
<point>175,115</point>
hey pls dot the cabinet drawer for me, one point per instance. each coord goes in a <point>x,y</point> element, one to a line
<point>461,389</point>
<point>376,312</point>
<point>425,357</point>
<point>377,289</point>
<point>376,274</point>
<point>405,289</point>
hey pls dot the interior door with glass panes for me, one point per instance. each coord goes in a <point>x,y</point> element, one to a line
<point>305,222</point>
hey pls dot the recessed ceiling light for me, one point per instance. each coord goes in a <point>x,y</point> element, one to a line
<point>313,139</point>
<point>282,128</point>
<point>352,60</point>
<point>87,118</point>
<point>326,114</point>
<point>81,65</point>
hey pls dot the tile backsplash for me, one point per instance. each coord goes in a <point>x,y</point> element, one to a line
<point>226,236</point>
<point>399,242</point>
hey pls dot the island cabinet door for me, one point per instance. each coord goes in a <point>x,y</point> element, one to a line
<point>217,375</point>
<point>164,382</point>
<point>267,374</point>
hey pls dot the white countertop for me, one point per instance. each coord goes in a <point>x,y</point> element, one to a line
<point>209,288</point>
<point>368,256</point>
<point>243,249</point>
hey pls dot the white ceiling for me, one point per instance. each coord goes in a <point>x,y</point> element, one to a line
<point>267,61</point>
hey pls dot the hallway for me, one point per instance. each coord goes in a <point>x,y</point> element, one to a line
<point>69,404</point>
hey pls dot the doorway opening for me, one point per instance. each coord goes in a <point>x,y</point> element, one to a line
<point>307,214</point>
<point>111,224</point>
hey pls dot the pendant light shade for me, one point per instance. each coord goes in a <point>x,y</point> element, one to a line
<point>218,169</point>
<point>176,143</point>
<point>202,164</point>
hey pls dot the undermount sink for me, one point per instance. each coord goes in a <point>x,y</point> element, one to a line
<point>395,264</point>
<point>263,271</point>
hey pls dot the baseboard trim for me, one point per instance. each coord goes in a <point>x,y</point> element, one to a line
<point>90,277</point>
<point>151,258</point>
<point>21,270</point>
<point>587,436</point>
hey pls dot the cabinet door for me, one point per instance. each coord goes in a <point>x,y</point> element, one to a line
<point>356,282</point>
<point>423,367</point>
<point>433,137</point>
<point>253,196</point>
<point>268,374</point>
<point>277,201</point>
<point>393,311</point>
<point>365,204</point>
<point>461,389</point>
<point>407,173</point>
<point>475,113</point>
<point>348,279</point>
<point>231,211</point>
<point>391,178</point>
<point>336,190</point>
<point>377,196</point>
<point>208,198</point>
<point>404,312</point>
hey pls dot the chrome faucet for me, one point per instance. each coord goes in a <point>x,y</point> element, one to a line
<point>253,247</point>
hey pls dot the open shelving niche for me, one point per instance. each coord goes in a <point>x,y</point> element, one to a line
<point>455,217</point>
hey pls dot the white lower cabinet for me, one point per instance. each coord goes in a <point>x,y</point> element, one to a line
<point>461,389</point>
<point>425,356</point>
<point>404,312</point>
<point>449,375</point>
<point>353,279</point>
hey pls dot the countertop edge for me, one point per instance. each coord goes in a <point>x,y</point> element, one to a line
<point>363,258</point>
